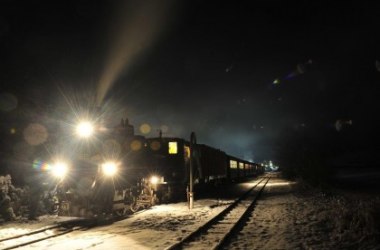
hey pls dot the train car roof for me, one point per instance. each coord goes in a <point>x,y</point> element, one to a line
<point>167,139</point>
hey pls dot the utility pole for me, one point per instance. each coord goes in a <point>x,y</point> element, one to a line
<point>193,142</point>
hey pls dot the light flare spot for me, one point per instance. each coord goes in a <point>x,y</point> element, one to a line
<point>155,145</point>
<point>164,128</point>
<point>41,165</point>
<point>136,145</point>
<point>35,134</point>
<point>145,128</point>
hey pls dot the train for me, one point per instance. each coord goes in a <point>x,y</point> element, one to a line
<point>129,172</point>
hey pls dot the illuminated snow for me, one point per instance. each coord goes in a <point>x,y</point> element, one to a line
<point>281,220</point>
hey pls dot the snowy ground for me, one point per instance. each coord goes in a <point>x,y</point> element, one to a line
<point>283,219</point>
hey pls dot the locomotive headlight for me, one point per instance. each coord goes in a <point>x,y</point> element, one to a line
<point>59,169</point>
<point>85,129</point>
<point>109,168</point>
<point>154,180</point>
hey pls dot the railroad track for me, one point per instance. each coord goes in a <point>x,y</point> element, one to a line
<point>216,233</point>
<point>45,233</point>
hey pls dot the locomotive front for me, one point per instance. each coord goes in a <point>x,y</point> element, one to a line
<point>110,175</point>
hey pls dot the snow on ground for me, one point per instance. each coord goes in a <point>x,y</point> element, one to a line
<point>24,226</point>
<point>286,218</point>
<point>282,219</point>
<point>156,228</point>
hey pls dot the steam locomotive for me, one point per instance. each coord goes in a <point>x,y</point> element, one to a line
<point>129,172</point>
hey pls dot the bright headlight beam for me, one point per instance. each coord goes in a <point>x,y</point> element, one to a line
<point>59,169</point>
<point>154,179</point>
<point>109,168</point>
<point>85,129</point>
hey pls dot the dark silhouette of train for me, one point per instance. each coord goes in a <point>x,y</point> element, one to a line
<point>142,172</point>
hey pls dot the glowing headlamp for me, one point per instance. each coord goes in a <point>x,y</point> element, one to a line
<point>109,168</point>
<point>154,179</point>
<point>85,129</point>
<point>59,169</point>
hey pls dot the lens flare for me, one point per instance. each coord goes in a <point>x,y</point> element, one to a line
<point>164,128</point>
<point>40,165</point>
<point>136,145</point>
<point>155,145</point>
<point>145,128</point>
<point>35,134</point>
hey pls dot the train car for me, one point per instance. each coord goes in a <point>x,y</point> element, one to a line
<point>239,169</point>
<point>128,172</point>
<point>213,164</point>
<point>171,158</point>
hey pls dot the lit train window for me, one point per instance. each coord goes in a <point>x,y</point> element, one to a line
<point>186,150</point>
<point>241,165</point>
<point>233,164</point>
<point>173,147</point>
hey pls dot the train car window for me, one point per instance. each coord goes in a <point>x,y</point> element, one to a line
<point>241,165</point>
<point>186,150</point>
<point>173,147</point>
<point>233,164</point>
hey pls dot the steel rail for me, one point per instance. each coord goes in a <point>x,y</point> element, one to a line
<point>60,224</point>
<point>69,226</point>
<point>214,220</point>
<point>235,228</point>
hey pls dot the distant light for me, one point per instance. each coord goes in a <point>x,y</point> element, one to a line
<point>276,81</point>
<point>109,168</point>
<point>59,169</point>
<point>85,129</point>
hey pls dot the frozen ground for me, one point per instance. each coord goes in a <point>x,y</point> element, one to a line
<point>283,219</point>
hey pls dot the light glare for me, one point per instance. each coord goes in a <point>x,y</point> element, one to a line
<point>109,168</point>
<point>154,180</point>
<point>85,129</point>
<point>59,169</point>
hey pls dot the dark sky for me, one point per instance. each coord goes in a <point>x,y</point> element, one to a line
<point>197,66</point>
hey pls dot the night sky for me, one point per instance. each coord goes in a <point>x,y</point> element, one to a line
<point>238,73</point>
